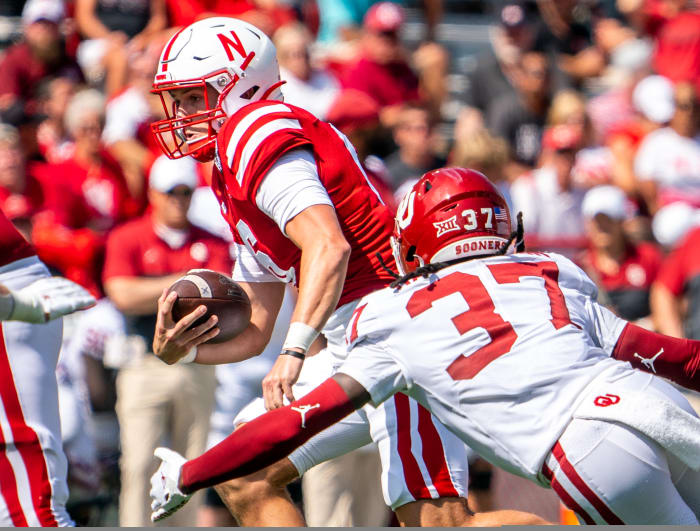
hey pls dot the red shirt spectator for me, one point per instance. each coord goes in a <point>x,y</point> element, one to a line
<point>382,71</point>
<point>137,249</point>
<point>28,201</point>
<point>21,193</point>
<point>628,288</point>
<point>41,53</point>
<point>677,54</point>
<point>266,17</point>
<point>390,83</point>
<point>185,12</point>
<point>680,275</point>
<point>82,203</point>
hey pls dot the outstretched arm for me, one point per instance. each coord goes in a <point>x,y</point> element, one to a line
<point>274,435</point>
<point>255,445</point>
<point>642,348</point>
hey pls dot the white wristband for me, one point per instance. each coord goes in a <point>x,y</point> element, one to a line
<point>189,357</point>
<point>300,335</point>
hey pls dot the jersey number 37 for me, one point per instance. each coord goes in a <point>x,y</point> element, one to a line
<point>481,313</point>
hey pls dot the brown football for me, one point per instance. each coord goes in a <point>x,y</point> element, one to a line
<point>222,297</point>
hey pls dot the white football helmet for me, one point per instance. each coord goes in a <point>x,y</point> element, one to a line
<point>234,58</point>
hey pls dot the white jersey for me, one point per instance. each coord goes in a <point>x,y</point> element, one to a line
<point>498,349</point>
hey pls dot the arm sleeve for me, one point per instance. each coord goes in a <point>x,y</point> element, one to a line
<point>268,438</point>
<point>247,268</point>
<point>379,373</point>
<point>291,186</point>
<point>671,357</point>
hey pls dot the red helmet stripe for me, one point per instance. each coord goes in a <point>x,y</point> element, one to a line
<point>166,53</point>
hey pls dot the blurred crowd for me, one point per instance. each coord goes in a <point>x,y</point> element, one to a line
<point>584,113</point>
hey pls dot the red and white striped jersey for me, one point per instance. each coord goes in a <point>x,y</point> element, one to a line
<point>250,142</point>
<point>13,246</point>
<point>498,349</point>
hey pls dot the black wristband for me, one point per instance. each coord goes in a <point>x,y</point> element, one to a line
<point>294,353</point>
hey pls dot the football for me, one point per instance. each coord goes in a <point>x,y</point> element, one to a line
<point>222,297</point>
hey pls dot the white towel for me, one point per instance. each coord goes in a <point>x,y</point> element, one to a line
<point>661,420</point>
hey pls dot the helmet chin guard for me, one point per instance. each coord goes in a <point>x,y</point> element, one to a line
<point>231,62</point>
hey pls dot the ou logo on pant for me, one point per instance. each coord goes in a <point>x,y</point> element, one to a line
<point>606,400</point>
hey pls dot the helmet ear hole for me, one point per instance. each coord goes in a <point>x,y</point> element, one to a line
<point>428,186</point>
<point>411,254</point>
<point>248,94</point>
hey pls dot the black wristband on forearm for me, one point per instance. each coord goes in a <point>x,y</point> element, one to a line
<point>294,353</point>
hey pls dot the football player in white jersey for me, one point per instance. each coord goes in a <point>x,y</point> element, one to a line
<point>513,354</point>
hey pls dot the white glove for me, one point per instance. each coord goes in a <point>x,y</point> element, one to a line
<point>167,497</point>
<point>49,298</point>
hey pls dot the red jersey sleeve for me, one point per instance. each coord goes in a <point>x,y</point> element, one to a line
<point>254,138</point>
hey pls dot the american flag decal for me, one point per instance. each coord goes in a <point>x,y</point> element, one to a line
<point>500,214</point>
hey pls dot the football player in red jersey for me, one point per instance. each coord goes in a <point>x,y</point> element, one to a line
<point>33,489</point>
<point>513,353</point>
<point>301,211</point>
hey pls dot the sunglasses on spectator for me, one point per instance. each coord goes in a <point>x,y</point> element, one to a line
<point>685,105</point>
<point>389,34</point>
<point>179,192</point>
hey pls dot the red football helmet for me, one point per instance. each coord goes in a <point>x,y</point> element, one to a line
<point>449,213</point>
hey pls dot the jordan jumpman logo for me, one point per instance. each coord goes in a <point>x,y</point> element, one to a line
<point>649,362</point>
<point>302,411</point>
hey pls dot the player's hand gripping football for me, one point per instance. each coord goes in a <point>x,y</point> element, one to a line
<point>165,493</point>
<point>47,299</point>
<point>279,381</point>
<point>173,341</point>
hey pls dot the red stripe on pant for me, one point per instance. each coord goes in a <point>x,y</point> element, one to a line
<point>8,488</point>
<point>580,484</point>
<point>26,441</point>
<point>434,455</point>
<point>411,472</point>
<point>565,497</point>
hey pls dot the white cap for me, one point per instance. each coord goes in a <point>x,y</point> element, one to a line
<point>35,10</point>
<point>606,199</point>
<point>673,221</point>
<point>653,97</point>
<point>166,173</point>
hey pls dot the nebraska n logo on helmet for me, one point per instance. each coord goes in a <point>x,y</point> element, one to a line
<point>449,213</point>
<point>229,63</point>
